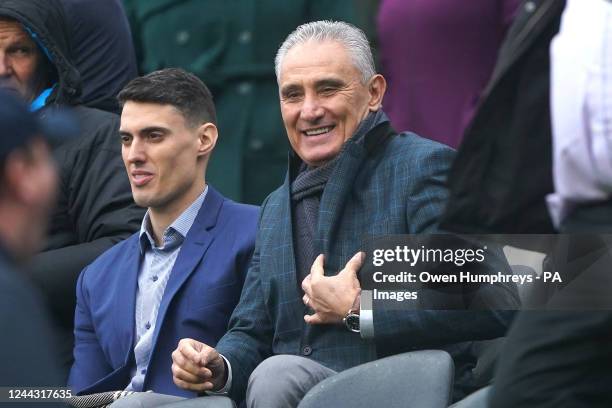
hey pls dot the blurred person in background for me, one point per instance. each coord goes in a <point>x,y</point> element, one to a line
<point>581,101</point>
<point>28,185</point>
<point>563,358</point>
<point>102,49</point>
<point>230,45</point>
<point>94,207</point>
<point>438,56</point>
<point>503,171</point>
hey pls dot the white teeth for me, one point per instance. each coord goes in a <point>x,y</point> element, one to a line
<point>319,131</point>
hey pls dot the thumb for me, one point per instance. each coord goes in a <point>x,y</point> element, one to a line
<point>317,267</point>
<point>354,264</point>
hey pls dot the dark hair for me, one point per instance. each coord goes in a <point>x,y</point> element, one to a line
<point>176,87</point>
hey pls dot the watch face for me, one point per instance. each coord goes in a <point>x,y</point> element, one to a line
<point>352,322</point>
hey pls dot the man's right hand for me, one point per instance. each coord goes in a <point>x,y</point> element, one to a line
<point>198,367</point>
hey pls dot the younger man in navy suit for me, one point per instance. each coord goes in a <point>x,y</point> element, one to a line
<point>182,274</point>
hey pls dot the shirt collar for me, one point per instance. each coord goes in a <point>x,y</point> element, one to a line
<point>175,234</point>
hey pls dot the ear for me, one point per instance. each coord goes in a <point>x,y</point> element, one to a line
<point>376,87</point>
<point>207,138</point>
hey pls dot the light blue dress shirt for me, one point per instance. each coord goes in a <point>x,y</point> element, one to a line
<point>155,269</point>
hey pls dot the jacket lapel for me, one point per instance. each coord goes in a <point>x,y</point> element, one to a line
<point>192,251</point>
<point>126,299</point>
<point>339,188</point>
<point>286,228</point>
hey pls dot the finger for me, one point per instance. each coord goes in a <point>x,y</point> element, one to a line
<point>306,283</point>
<point>200,387</point>
<point>317,269</point>
<point>187,349</point>
<point>305,299</point>
<point>194,344</point>
<point>354,264</point>
<point>184,363</point>
<point>314,319</point>
<point>315,306</point>
<point>208,356</point>
<point>178,372</point>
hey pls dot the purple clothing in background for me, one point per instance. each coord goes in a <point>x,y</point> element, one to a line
<point>437,56</point>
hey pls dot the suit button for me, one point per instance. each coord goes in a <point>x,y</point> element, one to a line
<point>307,350</point>
<point>530,7</point>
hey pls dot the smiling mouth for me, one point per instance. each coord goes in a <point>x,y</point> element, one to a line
<point>318,131</point>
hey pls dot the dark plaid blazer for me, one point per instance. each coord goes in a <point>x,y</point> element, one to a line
<point>391,184</point>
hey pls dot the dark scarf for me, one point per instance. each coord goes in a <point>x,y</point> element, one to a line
<point>306,191</point>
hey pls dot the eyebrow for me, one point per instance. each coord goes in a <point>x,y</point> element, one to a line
<point>290,88</point>
<point>332,82</point>
<point>148,129</point>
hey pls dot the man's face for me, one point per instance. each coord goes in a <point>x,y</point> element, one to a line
<point>162,155</point>
<point>37,188</point>
<point>21,62</point>
<point>322,99</point>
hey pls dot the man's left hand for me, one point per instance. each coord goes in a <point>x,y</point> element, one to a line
<point>331,297</point>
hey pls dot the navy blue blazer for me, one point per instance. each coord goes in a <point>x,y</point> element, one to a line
<point>202,291</point>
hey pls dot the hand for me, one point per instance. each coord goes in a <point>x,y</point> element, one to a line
<point>197,367</point>
<point>331,297</point>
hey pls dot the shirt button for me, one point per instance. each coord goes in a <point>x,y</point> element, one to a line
<point>307,350</point>
<point>244,88</point>
<point>148,326</point>
<point>530,7</point>
<point>182,37</point>
<point>245,37</point>
<point>144,371</point>
<point>154,279</point>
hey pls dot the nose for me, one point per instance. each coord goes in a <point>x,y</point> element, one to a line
<point>5,67</point>
<point>134,153</point>
<point>312,110</point>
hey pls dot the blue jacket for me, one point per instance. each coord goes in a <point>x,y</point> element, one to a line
<point>204,286</point>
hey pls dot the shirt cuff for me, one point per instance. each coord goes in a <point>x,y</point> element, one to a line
<point>366,316</point>
<point>228,383</point>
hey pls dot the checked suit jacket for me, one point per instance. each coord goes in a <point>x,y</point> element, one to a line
<point>201,293</point>
<point>390,184</point>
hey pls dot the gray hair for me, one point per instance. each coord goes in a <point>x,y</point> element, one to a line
<point>353,39</point>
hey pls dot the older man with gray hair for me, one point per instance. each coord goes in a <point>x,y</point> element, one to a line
<point>350,177</point>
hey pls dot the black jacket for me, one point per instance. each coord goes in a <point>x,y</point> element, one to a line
<point>102,49</point>
<point>503,169</point>
<point>95,207</point>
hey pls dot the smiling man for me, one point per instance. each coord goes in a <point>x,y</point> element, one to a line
<point>350,177</point>
<point>182,274</point>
